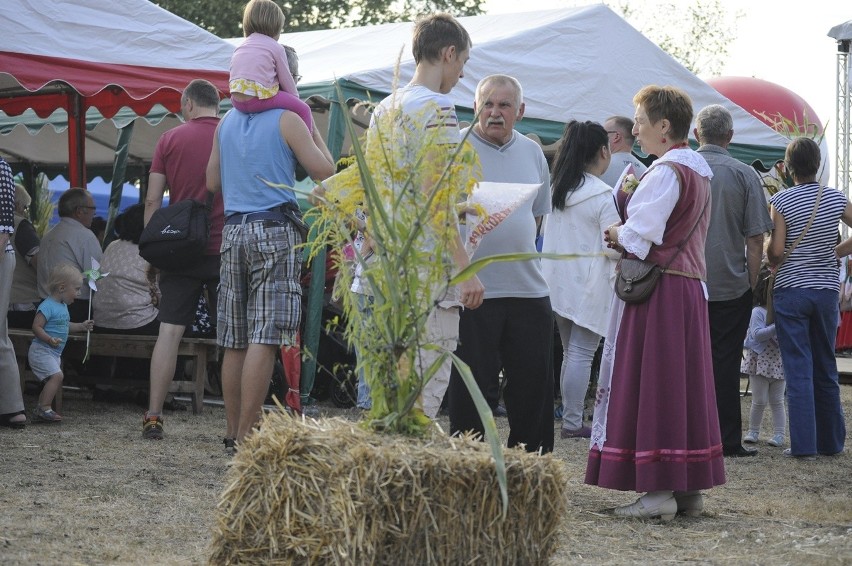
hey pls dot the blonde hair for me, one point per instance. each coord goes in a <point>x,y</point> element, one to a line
<point>669,103</point>
<point>263,16</point>
<point>63,274</point>
<point>433,33</point>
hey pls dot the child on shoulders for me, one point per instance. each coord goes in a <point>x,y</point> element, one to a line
<point>762,363</point>
<point>261,77</point>
<point>51,325</point>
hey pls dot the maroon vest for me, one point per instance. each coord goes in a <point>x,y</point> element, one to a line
<point>694,194</point>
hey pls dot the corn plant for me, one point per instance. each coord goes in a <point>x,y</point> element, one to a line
<point>777,178</point>
<point>44,207</point>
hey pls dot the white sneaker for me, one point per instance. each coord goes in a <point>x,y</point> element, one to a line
<point>777,440</point>
<point>750,437</point>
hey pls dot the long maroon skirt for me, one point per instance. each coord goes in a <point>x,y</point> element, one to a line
<point>662,426</point>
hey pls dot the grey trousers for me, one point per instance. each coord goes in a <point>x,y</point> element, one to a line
<point>11,400</point>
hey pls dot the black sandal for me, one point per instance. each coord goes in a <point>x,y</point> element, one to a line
<point>6,420</point>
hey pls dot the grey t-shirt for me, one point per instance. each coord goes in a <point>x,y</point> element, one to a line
<point>520,160</point>
<point>619,161</point>
<point>738,210</point>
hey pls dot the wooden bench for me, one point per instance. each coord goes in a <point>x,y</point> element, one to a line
<point>128,346</point>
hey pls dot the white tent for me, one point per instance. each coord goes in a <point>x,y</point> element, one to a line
<point>584,63</point>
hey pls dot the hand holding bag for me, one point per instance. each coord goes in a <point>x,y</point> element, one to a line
<point>635,278</point>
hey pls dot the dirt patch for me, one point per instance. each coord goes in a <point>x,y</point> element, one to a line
<point>91,491</point>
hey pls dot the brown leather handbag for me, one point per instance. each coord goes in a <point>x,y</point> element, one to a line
<point>636,279</point>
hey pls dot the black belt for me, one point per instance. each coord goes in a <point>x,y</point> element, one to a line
<point>239,218</point>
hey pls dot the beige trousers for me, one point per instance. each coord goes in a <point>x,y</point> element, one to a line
<point>11,400</point>
<point>442,329</point>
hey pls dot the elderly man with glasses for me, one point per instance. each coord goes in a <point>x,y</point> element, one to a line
<point>72,242</point>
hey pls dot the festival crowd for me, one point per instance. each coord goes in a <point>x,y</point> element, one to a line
<point>668,272</point>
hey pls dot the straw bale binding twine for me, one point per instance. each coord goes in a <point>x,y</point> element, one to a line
<point>329,492</point>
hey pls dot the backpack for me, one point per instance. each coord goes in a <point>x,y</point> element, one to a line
<point>176,236</point>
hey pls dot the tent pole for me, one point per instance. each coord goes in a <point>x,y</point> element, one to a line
<point>316,288</point>
<point>336,123</point>
<point>119,168</point>
<point>76,140</point>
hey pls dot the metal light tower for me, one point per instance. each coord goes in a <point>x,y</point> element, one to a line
<point>843,168</point>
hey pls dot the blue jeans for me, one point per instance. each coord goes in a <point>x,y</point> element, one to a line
<point>806,323</point>
<point>364,401</point>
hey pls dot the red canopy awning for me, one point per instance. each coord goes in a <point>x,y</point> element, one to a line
<point>81,54</point>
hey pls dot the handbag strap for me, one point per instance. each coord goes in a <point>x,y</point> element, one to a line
<point>697,222</point>
<point>792,247</point>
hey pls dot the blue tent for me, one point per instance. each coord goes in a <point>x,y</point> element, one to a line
<point>100,190</point>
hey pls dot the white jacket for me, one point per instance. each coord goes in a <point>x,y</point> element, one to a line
<point>581,289</point>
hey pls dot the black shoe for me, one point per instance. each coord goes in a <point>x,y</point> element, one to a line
<point>739,452</point>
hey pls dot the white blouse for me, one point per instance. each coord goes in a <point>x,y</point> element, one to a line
<point>654,200</point>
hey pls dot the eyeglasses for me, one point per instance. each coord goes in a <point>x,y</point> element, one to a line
<point>613,132</point>
<point>297,78</point>
<point>88,207</point>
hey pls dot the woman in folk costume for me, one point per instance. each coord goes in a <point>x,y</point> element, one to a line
<point>656,428</point>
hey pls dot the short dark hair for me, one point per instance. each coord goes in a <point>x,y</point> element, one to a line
<point>669,103</point>
<point>130,223</point>
<point>434,33</point>
<point>802,158</point>
<point>624,125</point>
<point>761,289</point>
<point>99,224</point>
<point>71,200</point>
<point>202,93</point>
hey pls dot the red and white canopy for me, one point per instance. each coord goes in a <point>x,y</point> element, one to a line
<point>81,54</point>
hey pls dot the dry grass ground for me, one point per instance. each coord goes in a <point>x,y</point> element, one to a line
<point>91,491</point>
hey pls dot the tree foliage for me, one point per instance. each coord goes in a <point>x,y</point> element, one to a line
<point>697,34</point>
<point>223,17</point>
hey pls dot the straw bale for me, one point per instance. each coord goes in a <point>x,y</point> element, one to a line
<point>329,492</point>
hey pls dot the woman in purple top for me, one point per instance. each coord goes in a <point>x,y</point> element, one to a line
<point>656,428</point>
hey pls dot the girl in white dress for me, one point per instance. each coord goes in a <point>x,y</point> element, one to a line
<point>762,363</point>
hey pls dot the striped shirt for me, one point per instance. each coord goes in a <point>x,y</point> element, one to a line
<point>813,264</point>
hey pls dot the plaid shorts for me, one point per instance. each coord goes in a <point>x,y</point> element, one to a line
<point>260,298</point>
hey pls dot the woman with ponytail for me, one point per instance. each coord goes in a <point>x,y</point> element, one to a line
<point>580,289</point>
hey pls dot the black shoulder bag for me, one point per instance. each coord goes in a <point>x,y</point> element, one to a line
<point>176,236</point>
